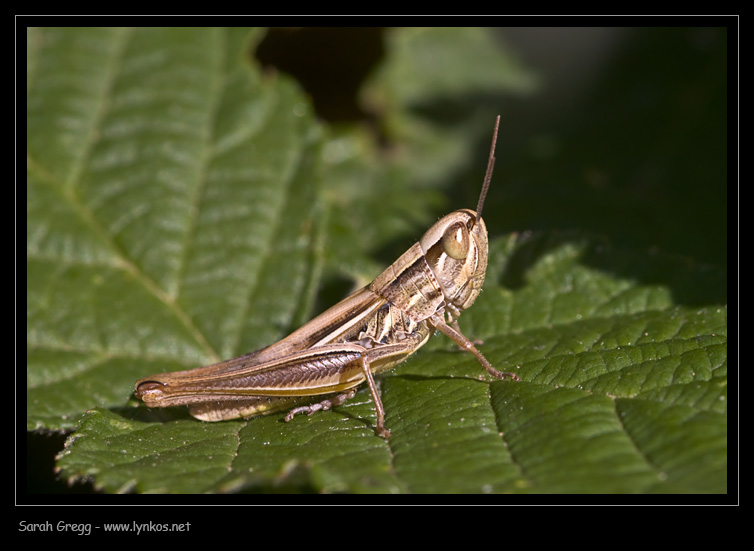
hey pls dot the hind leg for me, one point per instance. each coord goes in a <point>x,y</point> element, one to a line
<point>324,405</point>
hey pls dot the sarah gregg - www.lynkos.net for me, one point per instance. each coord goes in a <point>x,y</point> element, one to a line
<point>85,528</point>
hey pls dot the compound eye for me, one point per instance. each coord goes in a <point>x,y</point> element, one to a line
<point>455,241</point>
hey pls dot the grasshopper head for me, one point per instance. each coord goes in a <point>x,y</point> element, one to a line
<point>456,250</point>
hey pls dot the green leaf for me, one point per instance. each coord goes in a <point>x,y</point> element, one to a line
<point>183,207</point>
<point>441,86</point>
<point>171,195</point>
<point>630,401</point>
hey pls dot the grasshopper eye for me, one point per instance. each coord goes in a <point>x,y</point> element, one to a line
<point>455,241</point>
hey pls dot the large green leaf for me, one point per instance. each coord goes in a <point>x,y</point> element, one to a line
<point>163,177</point>
<point>621,392</point>
<point>183,208</point>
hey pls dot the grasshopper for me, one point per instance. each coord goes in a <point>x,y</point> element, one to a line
<point>374,329</point>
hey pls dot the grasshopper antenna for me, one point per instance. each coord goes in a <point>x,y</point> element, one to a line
<point>488,175</point>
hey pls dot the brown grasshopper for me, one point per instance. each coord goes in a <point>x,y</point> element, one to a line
<point>372,330</point>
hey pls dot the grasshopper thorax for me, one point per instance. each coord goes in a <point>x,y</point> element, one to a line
<point>456,249</point>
